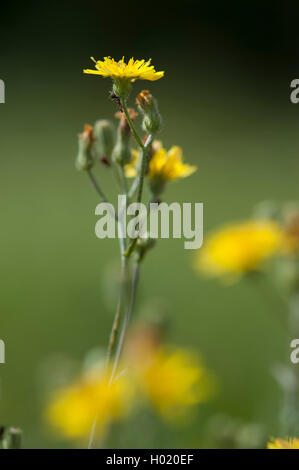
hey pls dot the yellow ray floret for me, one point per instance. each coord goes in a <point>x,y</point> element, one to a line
<point>133,70</point>
<point>173,381</point>
<point>163,165</point>
<point>74,408</point>
<point>239,248</point>
<point>290,443</point>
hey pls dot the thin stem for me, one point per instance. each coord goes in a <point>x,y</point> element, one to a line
<point>117,317</point>
<point>142,168</point>
<point>96,186</point>
<point>135,281</point>
<point>101,194</point>
<point>130,122</point>
<point>144,148</point>
<point>113,334</point>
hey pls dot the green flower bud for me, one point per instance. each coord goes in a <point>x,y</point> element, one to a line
<point>104,133</point>
<point>122,150</point>
<point>13,439</point>
<point>152,120</point>
<point>143,245</point>
<point>85,160</point>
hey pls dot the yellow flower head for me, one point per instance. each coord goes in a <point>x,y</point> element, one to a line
<point>169,166</point>
<point>133,70</point>
<point>290,443</point>
<point>163,166</point>
<point>73,409</point>
<point>172,381</point>
<point>239,248</point>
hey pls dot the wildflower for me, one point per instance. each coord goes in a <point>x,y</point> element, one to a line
<point>172,381</point>
<point>73,409</point>
<point>163,166</point>
<point>124,74</point>
<point>239,248</point>
<point>290,443</point>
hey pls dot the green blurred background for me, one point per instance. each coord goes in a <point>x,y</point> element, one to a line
<point>225,100</point>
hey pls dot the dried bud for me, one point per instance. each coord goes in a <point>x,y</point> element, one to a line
<point>148,105</point>
<point>105,136</point>
<point>124,125</point>
<point>86,140</point>
<point>122,151</point>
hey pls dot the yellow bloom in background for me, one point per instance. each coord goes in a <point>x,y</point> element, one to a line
<point>73,409</point>
<point>163,166</point>
<point>131,168</point>
<point>239,248</point>
<point>173,381</point>
<point>169,166</point>
<point>290,443</point>
<point>133,70</point>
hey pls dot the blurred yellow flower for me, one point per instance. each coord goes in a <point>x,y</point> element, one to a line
<point>133,70</point>
<point>239,248</point>
<point>290,443</point>
<point>73,409</point>
<point>163,166</point>
<point>173,381</point>
<point>130,168</point>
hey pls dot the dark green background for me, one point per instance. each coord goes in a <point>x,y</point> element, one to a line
<point>225,100</point>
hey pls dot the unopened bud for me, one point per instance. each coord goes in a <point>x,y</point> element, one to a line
<point>13,439</point>
<point>85,160</point>
<point>104,133</point>
<point>143,245</point>
<point>152,121</point>
<point>122,150</point>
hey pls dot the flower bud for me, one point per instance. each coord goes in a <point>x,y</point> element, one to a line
<point>85,159</point>
<point>143,245</point>
<point>104,133</point>
<point>13,439</point>
<point>122,151</point>
<point>152,121</point>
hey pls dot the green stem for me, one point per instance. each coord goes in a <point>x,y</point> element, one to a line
<point>130,122</point>
<point>143,166</point>
<point>135,281</point>
<point>97,186</point>
<point>144,148</point>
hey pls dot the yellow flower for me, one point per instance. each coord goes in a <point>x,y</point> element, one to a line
<point>130,168</point>
<point>173,381</point>
<point>133,70</point>
<point>163,166</point>
<point>73,409</point>
<point>239,248</point>
<point>290,443</point>
<point>169,166</point>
